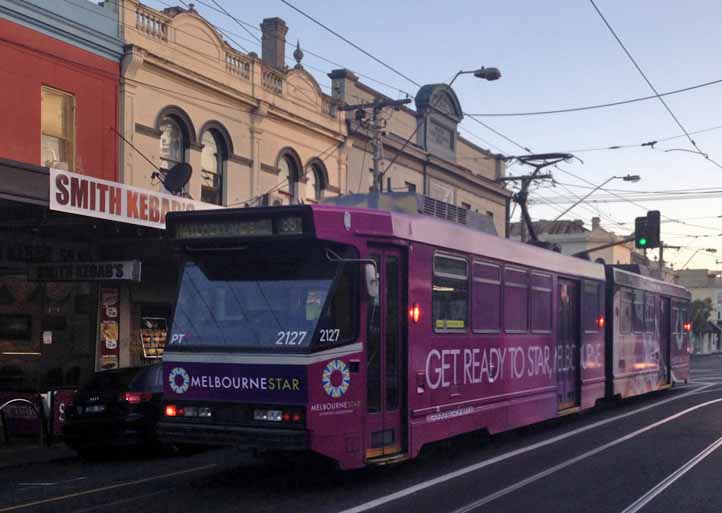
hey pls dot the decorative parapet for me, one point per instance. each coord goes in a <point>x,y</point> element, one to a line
<point>237,65</point>
<point>150,23</point>
<point>272,81</point>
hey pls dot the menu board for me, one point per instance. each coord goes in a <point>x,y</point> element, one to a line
<point>109,327</point>
<point>153,336</point>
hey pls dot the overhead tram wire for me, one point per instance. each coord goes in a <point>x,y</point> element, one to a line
<point>357,47</point>
<point>376,59</point>
<point>598,106</point>
<point>651,86</point>
<point>312,53</point>
<point>485,125</point>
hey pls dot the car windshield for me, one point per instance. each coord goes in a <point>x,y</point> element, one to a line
<point>254,299</point>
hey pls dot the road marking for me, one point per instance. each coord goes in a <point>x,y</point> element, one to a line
<point>674,476</point>
<point>405,492</point>
<point>551,470</point>
<point>118,502</point>
<point>53,483</point>
<point>106,488</point>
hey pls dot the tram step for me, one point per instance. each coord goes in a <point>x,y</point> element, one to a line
<point>388,460</point>
<point>568,411</point>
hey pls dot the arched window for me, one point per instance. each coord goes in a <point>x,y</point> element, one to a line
<point>173,144</point>
<point>315,183</point>
<point>288,180</point>
<point>212,168</point>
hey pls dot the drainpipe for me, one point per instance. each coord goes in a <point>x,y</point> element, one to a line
<point>424,172</point>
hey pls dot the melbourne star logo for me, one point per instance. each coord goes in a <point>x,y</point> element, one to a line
<point>336,378</point>
<point>179,380</point>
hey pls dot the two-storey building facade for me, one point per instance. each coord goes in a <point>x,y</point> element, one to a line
<point>59,82</point>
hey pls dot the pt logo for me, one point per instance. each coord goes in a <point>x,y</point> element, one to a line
<point>336,378</point>
<point>179,380</point>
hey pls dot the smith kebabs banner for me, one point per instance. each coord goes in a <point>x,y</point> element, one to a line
<point>88,196</point>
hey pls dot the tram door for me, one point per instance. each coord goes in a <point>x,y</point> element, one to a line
<point>567,345</point>
<point>384,324</point>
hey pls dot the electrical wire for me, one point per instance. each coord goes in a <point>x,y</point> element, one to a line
<point>309,52</point>
<point>357,47</point>
<point>598,106</point>
<point>649,83</point>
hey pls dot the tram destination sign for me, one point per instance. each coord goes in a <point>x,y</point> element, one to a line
<point>128,270</point>
<point>87,196</point>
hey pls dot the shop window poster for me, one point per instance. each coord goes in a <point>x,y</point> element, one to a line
<point>109,327</point>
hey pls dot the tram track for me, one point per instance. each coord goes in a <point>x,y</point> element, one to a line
<point>404,493</point>
<point>598,429</point>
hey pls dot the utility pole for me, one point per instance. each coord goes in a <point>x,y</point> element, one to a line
<point>538,162</point>
<point>375,127</point>
<point>521,198</point>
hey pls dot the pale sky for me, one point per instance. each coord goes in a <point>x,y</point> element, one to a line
<point>549,59</point>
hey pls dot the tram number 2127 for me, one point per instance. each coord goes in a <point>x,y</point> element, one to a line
<point>330,335</point>
<point>290,338</point>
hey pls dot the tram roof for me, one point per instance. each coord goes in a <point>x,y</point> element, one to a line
<point>450,236</point>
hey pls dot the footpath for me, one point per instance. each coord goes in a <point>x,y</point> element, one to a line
<point>22,454</point>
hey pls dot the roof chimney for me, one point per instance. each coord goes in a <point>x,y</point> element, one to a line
<point>273,42</point>
<point>596,223</point>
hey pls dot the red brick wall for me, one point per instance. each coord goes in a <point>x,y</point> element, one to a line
<point>29,60</point>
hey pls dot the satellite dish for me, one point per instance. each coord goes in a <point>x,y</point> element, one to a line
<point>177,177</point>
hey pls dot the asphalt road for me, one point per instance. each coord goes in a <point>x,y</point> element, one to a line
<point>661,453</point>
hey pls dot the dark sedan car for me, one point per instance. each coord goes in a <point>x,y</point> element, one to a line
<point>116,409</point>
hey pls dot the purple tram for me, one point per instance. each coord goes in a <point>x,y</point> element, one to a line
<point>363,335</point>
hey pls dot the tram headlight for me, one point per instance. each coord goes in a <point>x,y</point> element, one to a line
<point>290,225</point>
<point>268,415</point>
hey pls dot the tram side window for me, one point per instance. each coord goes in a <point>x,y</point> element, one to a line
<point>450,293</point>
<point>516,300</point>
<point>541,303</point>
<point>638,312</point>
<point>650,313</point>
<point>591,306</point>
<point>625,316</point>
<point>486,298</point>
<point>339,310</point>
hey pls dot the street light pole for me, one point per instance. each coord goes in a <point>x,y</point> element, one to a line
<point>628,178</point>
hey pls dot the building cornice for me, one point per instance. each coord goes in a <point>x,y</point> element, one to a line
<point>54,24</point>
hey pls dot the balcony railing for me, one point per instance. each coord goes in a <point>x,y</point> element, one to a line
<point>272,81</point>
<point>238,66</point>
<point>150,24</point>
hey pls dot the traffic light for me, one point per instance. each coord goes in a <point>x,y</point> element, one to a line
<point>646,230</point>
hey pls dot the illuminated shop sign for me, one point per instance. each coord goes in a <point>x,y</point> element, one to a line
<point>86,271</point>
<point>88,196</point>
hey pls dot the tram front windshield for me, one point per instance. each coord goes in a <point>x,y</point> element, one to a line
<point>264,299</point>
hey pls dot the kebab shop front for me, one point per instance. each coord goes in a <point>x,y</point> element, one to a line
<point>87,278</point>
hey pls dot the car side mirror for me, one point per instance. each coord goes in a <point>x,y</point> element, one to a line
<point>372,281</point>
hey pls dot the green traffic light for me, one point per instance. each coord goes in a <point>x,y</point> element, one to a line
<point>642,241</point>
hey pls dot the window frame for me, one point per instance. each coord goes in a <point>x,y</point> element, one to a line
<point>500,298</point>
<point>516,285</point>
<point>72,122</point>
<point>434,274</point>
<point>626,296</point>
<point>550,295</point>
<point>185,143</point>
<point>220,170</point>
